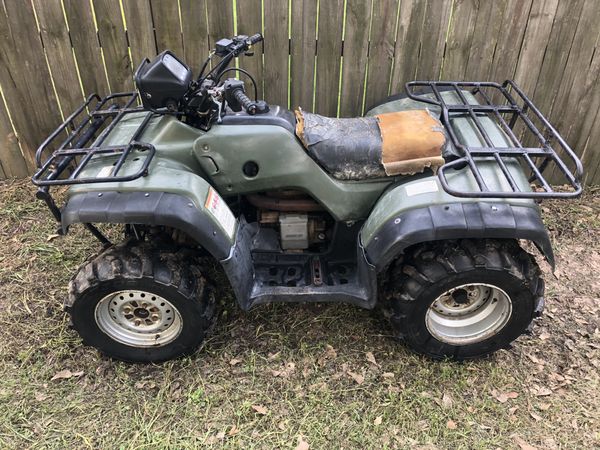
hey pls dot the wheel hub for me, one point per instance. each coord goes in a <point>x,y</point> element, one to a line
<point>138,318</point>
<point>468,314</point>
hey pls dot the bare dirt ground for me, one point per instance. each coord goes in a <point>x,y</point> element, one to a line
<point>292,376</point>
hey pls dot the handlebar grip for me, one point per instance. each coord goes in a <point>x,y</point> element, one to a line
<point>248,105</point>
<point>255,39</point>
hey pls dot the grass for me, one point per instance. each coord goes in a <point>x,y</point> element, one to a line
<point>327,375</point>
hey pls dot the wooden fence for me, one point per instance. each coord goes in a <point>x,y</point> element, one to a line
<point>329,56</point>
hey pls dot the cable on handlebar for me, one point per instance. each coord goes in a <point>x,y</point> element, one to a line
<point>239,69</point>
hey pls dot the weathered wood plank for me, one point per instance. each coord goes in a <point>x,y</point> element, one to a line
<point>249,22</point>
<point>13,163</point>
<point>381,50</point>
<point>276,45</point>
<point>329,52</point>
<point>220,20</point>
<point>165,16</point>
<point>460,34</point>
<point>86,47</point>
<point>408,39</point>
<point>114,45</point>
<point>304,44</point>
<point>591,156</point>
<point>510,40</point>
<point>138,19</point>
<point>356,48</point>
<point>56,41</point>
<point>195,32</point>
<point>485,37</point>
<point>536,37</point>
<point>580,77</point>
<point>25,78</point>
<point>433,38</point>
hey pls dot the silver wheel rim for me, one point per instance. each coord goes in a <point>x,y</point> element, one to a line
<point>468,314</point>
<point>138,318</point>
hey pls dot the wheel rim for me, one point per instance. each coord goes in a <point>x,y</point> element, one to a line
<point>138,318</point>
<point>468,314</point>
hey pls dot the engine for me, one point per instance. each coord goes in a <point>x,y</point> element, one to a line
<point>301,222</point>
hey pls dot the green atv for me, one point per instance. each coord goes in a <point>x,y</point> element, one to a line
<point>422,205</point>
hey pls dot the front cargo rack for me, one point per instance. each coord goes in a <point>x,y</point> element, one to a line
<point>526,138</point>
<point>80,138</point>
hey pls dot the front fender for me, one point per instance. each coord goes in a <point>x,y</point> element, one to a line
<point>421,211</point>
<point>152,208</point>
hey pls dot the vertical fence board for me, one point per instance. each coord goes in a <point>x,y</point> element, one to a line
<point>579,78</point>
<point>591,158</point>
<point>460,34</point>
<point>25,78</point>
<point>408,39</point>
<point>276,45</point>
<point>195,32</point>
<point>114,45</point>
<point>249,22</point>
<point>57,43</point>
<point>86,46</point>
<point>138,19</point>
<point>381,50</point>
<point>13,163</point>
<point>536,37</point>
<point>510,39</point>
<point>329,52</point>
<point>304,22</point>
<point>485,39</point>
<point>557,52</point>
<point>433,38</point>
<point>165,16</point>
<point>220,20</point>
<point>356,47</point>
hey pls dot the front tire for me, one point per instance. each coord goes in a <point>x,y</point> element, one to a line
<point>464,299</point>
<point>138,303</point>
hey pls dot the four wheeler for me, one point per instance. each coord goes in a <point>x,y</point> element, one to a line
<point>422,205</point>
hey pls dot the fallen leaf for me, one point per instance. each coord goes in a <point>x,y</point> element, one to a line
<point>66,374</point>
<point>234,362</point>
<point>40,396</point>
<point>371,358</point>
<point>503,397</point>
<point>378,420</point>
<point>260,409</point>
<point>221,435</point>
<point>524,445</point>
<point>451,425</point>
<point>388,375</point>
<point>544,336</point>
<point>536,417</point>
<point>357,377</point>
<point>233,430</point>
<point>542,392</point>
<point>52,237</point>
<point>446,400</point>
<point>302,444</point>
<point>544,406</point>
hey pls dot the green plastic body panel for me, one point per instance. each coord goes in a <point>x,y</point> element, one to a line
<point>283,163</point>
<point>174,169</point>
<point>428,191</point>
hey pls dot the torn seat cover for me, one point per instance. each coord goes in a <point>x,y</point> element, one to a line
<point>398,143</point>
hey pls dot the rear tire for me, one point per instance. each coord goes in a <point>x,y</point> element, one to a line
<point>138,303</point>
<point>465,299</point>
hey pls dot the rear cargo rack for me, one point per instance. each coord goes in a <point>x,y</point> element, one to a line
<point>527,138</point>
<point>80,138</point>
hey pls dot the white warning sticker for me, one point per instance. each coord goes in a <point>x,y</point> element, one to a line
<point>220,211</point>
<point>422,187</point>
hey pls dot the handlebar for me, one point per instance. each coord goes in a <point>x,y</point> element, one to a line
<point>248,105</point>
<point>255,39</point>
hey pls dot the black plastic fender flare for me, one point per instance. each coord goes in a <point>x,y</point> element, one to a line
<point>148,208</point>
<point>477,220</point>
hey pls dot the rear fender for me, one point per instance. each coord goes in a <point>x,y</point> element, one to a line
<point>421,211</point>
